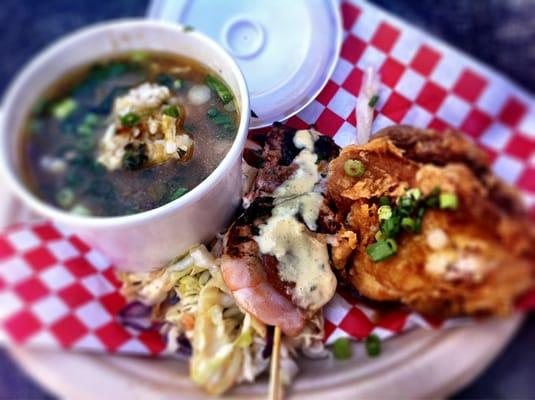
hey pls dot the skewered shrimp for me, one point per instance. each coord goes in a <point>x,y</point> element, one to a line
<point>247,280</point>
<point>276,260</point>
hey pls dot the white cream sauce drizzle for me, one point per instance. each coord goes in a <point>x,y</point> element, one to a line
<point>303,259</point>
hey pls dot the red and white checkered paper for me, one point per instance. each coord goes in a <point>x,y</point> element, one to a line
<point>57,292</point>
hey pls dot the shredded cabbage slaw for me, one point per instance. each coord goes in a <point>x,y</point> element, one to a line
<point>228,345</point>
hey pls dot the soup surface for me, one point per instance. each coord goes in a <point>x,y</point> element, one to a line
<point>127,134</point>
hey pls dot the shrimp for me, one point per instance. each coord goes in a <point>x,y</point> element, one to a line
<point>247,276</point>
<point>249,285</point>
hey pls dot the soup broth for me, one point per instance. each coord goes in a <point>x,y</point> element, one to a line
<point>128,134</point>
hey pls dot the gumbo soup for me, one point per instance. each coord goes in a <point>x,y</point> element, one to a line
<point>128,134</point>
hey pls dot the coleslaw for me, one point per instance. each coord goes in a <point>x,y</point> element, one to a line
<point>228,345</point>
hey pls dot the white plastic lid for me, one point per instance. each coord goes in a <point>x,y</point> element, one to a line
<point>287,50</point>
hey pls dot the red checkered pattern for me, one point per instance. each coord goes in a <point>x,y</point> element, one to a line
<point>427,84</point>
<point>56,291</point>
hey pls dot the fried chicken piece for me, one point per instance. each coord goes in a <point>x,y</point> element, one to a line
<point>474,260</point>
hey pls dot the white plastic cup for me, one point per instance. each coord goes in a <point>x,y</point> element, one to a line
<point>148,240</point>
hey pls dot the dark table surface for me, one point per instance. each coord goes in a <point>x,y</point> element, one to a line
<point>501,33</point>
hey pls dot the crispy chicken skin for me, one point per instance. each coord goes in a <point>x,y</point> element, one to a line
<point>474,260</point>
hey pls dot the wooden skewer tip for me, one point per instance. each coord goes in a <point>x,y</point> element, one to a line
<point>275,385</point>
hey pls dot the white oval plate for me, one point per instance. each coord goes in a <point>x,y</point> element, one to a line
<point>419,364</point>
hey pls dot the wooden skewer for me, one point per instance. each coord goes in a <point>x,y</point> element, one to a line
<point>275,385</point>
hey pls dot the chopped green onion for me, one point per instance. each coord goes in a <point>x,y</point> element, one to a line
<point>212,112</point>
<point>415,193</point>
<point>448,201</point>
<point>392,244</point>
<point>373,345</point>
<point>63,109</point>
<point>81,210</point>
<point>65,197</point>
<point>384,201</point>
<point>177,83</point>
<point>90,119</point>
<point>131,119</point>
<point>385,212</point>
<point>408,224</point>
<point>382,249</point>
<point>219,87</point>
<point>178,193</point>
<point>116,68</point>
<point>407,215</point>
<point>432,200</point>
<point>406,204</point>
<point>373,101</point>
<point>84,130</point>
<point>188,28</point>
<point>342,349</point>
<point>354,168</point>
<point>390,227</point>
<point>88,125</point>
<point>222,119</point>
<point>419,219</point>
<point>229,128</point>
<point>139,56</point>
<point>171,111</point>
